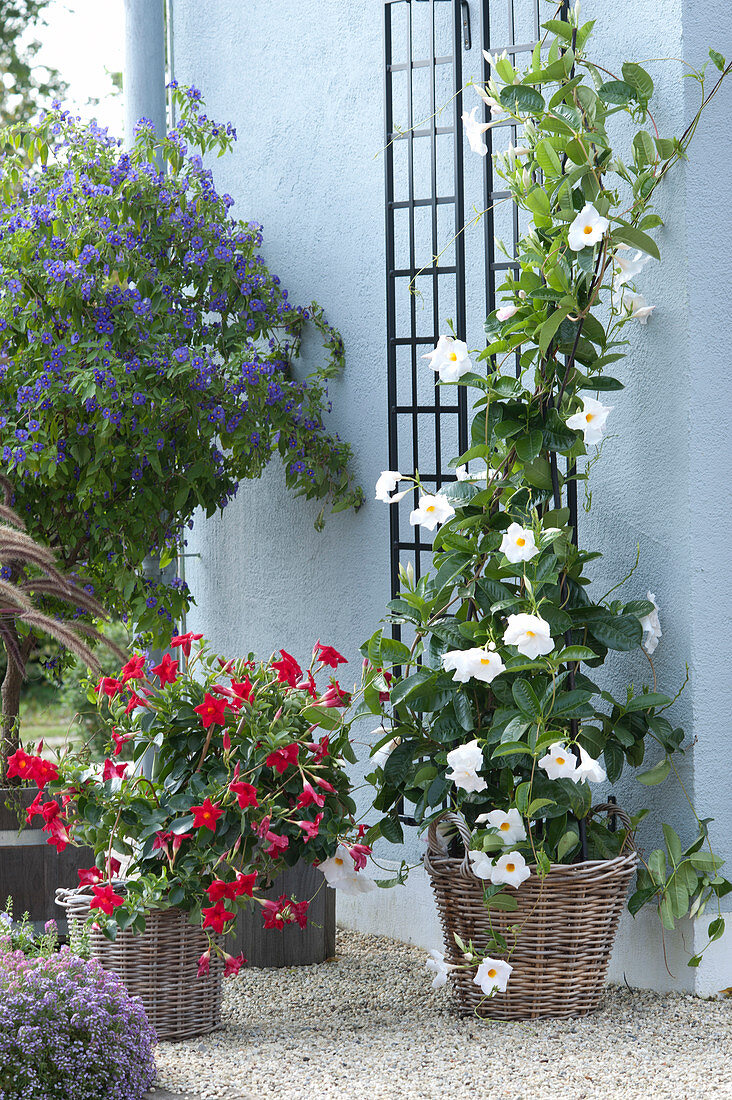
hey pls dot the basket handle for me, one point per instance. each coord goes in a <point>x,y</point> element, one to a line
<point>436,845</point>
<point>613,810</point>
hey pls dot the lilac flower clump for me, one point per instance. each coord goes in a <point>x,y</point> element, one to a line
<point>69,1030</point>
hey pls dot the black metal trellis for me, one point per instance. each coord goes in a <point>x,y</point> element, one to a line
<point>418,418</point>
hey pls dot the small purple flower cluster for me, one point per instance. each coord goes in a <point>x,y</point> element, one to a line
<point>70,1030</point>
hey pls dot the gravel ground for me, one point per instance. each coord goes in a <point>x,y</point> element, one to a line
<point>368,1025</point>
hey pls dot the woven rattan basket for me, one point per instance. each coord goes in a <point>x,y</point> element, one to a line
<point>160,967</point>
<point>568,922</point>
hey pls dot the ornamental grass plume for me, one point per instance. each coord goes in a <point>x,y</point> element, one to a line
<point>70,1030</point>
<point>36,599</point>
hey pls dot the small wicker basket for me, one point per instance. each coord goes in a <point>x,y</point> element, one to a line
<point>160,967</point>
<point>567,923</point>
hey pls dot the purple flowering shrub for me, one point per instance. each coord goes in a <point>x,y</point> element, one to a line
<point>145,352</point>
<point>70,1030</point>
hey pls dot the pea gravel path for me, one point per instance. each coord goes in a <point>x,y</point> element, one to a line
<point>368,1026</point>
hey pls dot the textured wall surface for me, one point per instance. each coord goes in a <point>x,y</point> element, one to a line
<point>302,82</point>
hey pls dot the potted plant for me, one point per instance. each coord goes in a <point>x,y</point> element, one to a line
<point>70,1030</point>
<point>494,729</point>
<point>146,354</point>
<point>246,777</point>
<point>36,598</point>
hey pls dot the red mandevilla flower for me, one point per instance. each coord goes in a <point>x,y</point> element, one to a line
<point>216,916</point>
<point>328,655</point>
<point>135,701</point>
<point>24,766</point>
<point>310,795</point>
<point>134,669</point>
<point>89,876</point>
<point>281,759</point>
<point>113,771</point>
<point>167,670</point>
<point>106,899</point>
<point>211,710</point>
<point>119,740</point>
<point>204,963</point>
<point>288,670</point>
<point>110,686</point>
<point>246,794</point>
<point>310,828</point>
<point>309,685</point>
<point>206,815</point>
<point>335,696</point>
<point>277,844</point>
<point>242,688</point>
<point>184,641</point>
<point>233,964</point>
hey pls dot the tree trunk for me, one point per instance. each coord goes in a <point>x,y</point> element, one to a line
<point>11,688</point>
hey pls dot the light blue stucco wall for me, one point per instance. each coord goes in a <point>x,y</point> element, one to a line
<point>302,82</point>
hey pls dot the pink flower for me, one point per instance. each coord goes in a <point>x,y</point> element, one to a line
<point>204,963</point>
<point>310,828</point>
<point>335,696</point>
<point>359,854</point>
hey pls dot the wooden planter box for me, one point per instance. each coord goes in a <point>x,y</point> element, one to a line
<point>292,945</point>
<point>31,869</point>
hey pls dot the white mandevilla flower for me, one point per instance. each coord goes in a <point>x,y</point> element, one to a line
<point>639,309</point>
<point>628,266</point>
<point>380,756</point>
<point>588,228</point>
<point>510,870</point>
<point>340,873</point>
<point>509,824</point>
<point>530,634</point>
<point>495,105</point>
<point>560,762</point>
<point>492,975</point>
<point>386,484</point>
<point>505,313</point>
<point>589,768</point>
<point>474,131</point>
<point>480,864</point>
<point>431,511</point>
<point>475,664</point>
<point>494,58</point>
<point>450,359</point>
<point>436,965</point>
<point>518,544</point>
<point>465,761</point>
<point>651,626</point>
<point>591,420</point>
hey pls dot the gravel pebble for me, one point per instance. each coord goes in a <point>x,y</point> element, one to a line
<point>367,1024</point>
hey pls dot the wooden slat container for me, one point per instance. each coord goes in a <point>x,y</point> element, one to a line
<point>292,945</point>
<point>31,869</point>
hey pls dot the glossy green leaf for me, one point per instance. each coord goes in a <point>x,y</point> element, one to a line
<point>656,774</point>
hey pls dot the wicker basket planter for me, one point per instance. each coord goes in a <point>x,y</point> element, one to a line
<point>159,966</point>
<point>567,925</point>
